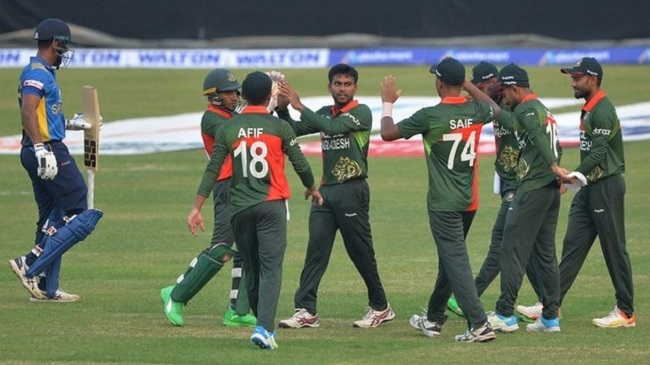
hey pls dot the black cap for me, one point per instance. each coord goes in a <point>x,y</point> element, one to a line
<point>586,66</point>
<point>511,75</point>
<point>450,71</point>
<point>256,87</point>
<point>483,72</point>
<point>53,29</point>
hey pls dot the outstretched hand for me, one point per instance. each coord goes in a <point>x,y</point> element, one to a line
<point>389,91</point>
<point>294,99</point>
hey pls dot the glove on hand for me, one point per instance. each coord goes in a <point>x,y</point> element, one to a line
<point>47,168</point>
<point>78,123</point>
<point>277,78</point>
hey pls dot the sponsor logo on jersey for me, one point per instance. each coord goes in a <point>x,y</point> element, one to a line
<point>33,83</point>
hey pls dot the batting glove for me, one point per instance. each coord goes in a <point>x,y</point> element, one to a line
<point>78,123</point>
<point>276,77</point>
<point>47,168</point>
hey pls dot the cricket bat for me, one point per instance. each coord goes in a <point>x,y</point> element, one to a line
<point>91,139</point>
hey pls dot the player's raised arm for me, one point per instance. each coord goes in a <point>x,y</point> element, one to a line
<point>389,95</point>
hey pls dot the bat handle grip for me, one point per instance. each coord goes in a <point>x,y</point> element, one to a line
<point>90,198</point>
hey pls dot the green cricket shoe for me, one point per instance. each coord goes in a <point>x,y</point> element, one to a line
<point>452,305</point>
<point>173,310</point>
<point>232,319</point>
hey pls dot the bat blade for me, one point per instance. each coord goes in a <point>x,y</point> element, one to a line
<point>91,136</point>
<point>91,139</point>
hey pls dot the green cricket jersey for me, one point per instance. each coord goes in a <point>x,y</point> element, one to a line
<point>507,148</point>
<point>450,132</point>
<point>601,140</point>
<point>345,138</point>
<point>257,142</point>
<point>213,118</point>
<point>538,143</point>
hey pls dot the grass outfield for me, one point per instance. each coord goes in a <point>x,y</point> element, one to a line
<point>142,244</point>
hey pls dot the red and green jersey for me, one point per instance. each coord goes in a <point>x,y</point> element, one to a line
<point>450,132</point>
<point>507,148</point>
<point>213,118</point>
<point>258,143</point>
<point>538,144</point>
<point>345,138</point>
<point>601,140</point>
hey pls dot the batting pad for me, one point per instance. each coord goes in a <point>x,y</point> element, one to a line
<point>67,236</point>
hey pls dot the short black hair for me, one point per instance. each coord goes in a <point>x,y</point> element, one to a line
<point>343,69</point>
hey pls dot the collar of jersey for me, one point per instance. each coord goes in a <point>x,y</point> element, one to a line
<point>453,100</point>
<point>592,103</point>
<point>224,113</point>
<point>529,97</point>
<point>255,109</point>
<point>42,61</point>
<point>346,108</point>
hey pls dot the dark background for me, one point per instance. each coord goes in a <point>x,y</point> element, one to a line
<point>209,19</point>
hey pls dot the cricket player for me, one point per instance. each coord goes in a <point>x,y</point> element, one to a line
<point>450,132</point>
<point>484,76</point>
<point>59,188</point>
<point>257,143</point>
<point>531,221</point>
<point>598,207</point>
<point>345,135</point>
<point>221,89</point>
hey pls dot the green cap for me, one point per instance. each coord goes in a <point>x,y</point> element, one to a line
<point>483,72</point>
<point>450,71</point>
<point>511,75</point>
<point>586,66</point>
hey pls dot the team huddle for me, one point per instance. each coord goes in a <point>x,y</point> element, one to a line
<point>248,144</point>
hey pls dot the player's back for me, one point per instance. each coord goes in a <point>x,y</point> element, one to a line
<point>257,145</point>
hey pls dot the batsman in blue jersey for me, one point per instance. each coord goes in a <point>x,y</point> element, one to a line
<point>59,188</point>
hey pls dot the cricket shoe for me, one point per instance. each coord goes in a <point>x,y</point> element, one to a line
<point>532,313</point>
<point>503,324</point>
<point>20,268</point>
<point>264,339</point>
<point>544,325</point>
<point>173,310</point>
<point>374,318</point>
<point>485,333</point>
<point>233,319</point>
<point>452,306</point>
<point>59,297</point>
<point>301,318</point>
<point>615,319</point>
<point>428,328</point>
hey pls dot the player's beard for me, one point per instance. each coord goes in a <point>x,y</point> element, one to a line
<point>342,99</point>
<point>579,93</point>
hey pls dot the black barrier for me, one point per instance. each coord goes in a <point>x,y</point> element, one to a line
<point>209,19</point>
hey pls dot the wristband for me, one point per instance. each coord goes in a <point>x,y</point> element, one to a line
<point>387,109</point>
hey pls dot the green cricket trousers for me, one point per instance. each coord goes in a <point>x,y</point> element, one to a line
<point>345,208</point>
<point>598,210</point>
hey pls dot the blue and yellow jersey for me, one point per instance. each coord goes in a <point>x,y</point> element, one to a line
<point>38,78</point>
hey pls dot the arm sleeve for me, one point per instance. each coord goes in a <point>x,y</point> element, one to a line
<point>299,128</point>
<point>606,124</point>
<point>357,119</point>
<point>530,121</point>
<point>214,165</point>
<point>297,159</point>
<point>417,123</point>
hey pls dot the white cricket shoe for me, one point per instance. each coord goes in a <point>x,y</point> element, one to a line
<point>533,312</point>
<point>20,268</point>
<point>615,319</point>
<point>301,318</point>
<point>374,318</point>
<point>59,297</point>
